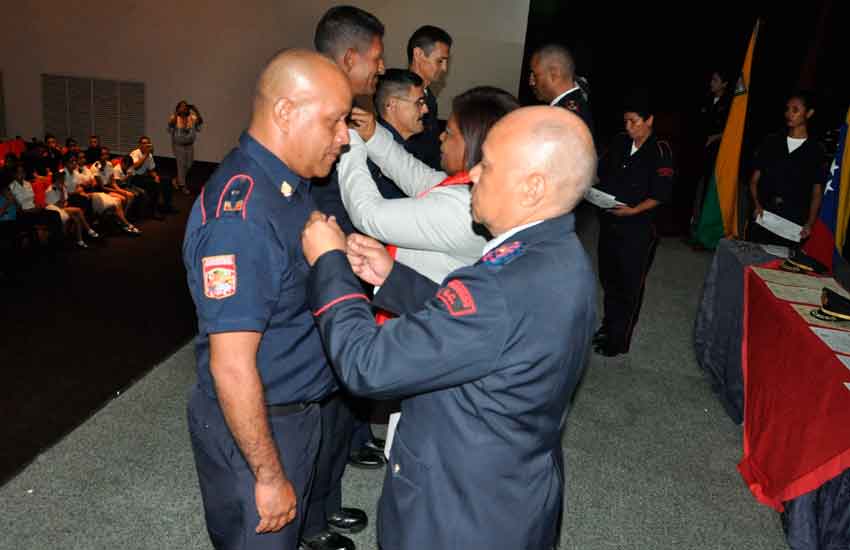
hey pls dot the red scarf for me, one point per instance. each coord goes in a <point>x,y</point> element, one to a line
<point>461,178</point>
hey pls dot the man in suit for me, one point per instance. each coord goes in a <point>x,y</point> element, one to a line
<point>428,52</point>
<point>480,362</point>
<point>553,79</point>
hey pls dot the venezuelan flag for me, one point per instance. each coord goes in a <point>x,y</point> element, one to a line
<point>719,216</point>
<point>827,239</point>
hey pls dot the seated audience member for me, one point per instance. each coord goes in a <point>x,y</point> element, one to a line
<point>77,182</point>
<point>433,228</point>
<point>71,146</point>
<point>51,155</point>
<point>103,171</point>
<point>143,174</point>
<point>56,197</point>
<point>29,215</point>
<point>93,151</point>
<point>8,226</point>
<point>80,182</point>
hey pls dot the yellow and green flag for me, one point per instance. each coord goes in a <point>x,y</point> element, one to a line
<point>719,216</point>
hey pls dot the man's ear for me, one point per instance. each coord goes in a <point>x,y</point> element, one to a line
<point>349,59</point>
<point>282,110</point>
<point>533,189</point>
<point>419,53</point>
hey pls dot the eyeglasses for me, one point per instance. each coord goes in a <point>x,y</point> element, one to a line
<point>419,102</point>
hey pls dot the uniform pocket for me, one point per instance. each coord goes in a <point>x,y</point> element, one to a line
<point>401,507</point>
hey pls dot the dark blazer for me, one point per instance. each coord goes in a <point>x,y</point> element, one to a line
<point>577,102</point>
<point>486,365</point>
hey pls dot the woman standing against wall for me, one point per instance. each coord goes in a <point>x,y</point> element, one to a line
<point>184,126</point>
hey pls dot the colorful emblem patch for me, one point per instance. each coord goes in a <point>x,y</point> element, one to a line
<point>219,276</point>
<point>572,105</point>
<point>457,298</point>
<point>665,172</point>
<point>504,253</point>
<point>230,206</point>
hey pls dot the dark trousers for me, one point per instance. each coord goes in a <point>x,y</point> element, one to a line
<point>227,482</point>
<point>83,203</point>
<point>626,252</point>
<point>49,218</point>
<point>326,497</point>
<point>154,192</point>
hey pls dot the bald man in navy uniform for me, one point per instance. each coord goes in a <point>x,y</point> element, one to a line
<point>480,362</point>
<point>254,416</point>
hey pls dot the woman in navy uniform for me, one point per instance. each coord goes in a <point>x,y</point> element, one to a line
<point>789,174</point>
<point>638,171</point>
<point>481,362</point>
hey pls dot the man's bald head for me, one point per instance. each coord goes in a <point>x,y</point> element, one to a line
<point>297,75</point>
<point>541,159</point>
<point>300,104</point>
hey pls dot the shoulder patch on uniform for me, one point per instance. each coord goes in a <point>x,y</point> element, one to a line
<point>665,172</point>
<point>234,195</point>
<point>219,276</point>
<point>504,253</point>
<point>572,105</point>
<point>231,206</point>
<point>457,298</point>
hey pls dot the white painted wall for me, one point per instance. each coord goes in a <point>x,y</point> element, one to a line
<point>210,52</point>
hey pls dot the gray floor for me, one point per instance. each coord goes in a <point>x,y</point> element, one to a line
<point>651,455</point>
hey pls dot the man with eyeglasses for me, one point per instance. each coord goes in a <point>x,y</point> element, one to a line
<point>402,109</point>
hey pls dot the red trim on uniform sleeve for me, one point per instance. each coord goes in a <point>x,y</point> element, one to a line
<point>247,196</point>
<point>665,172</point>
<point>227,186</point>
<point>203,210</point>
<point>332,303</point>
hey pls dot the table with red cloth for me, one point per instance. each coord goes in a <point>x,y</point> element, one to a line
<point>797,403</point>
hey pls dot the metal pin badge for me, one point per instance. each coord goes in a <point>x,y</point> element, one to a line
<point>286,189</point>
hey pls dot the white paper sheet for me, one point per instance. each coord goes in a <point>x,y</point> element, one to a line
<point>601,199</point>
<point>837,340</point>
<point>392,424</point>
<point>844,360</point>
<point>780,226</point>
<point>795,293</point>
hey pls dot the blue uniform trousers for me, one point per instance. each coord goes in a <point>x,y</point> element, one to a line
<point>226,480</point>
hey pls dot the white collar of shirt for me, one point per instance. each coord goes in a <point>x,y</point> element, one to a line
<point>496,241</point>
<point>560,97</point>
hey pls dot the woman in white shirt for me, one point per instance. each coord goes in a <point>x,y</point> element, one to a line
<point>78,182</point>
<point>29,215</point>
<point>56,197</point>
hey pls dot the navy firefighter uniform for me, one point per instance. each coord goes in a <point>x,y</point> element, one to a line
<point>627,243</point>
<point>485,373</point>
<point>246,272</point>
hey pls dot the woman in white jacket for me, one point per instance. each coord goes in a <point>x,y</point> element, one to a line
<point>432,229</point>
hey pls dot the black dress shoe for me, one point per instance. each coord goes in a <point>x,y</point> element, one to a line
<point>600,337</point>
<point>348,520</point>
<point>367,458</point>
<point>607,350</point>
<point>328,541</point>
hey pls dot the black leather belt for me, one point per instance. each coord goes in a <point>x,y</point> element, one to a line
<point>286,410</point>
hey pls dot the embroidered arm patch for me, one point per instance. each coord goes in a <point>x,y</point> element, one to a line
<point>457,298</point>
<point>219,276</point>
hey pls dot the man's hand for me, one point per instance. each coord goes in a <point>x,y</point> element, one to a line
<point>622,211</point>
<point>276,504</point>
<point>369,259</point>
<point>364,123</point>
<point>757,213</point>
<point>321,234</point>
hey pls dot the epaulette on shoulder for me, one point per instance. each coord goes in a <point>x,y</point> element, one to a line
<point>664,149</point>
<point>504,254</point>
<point>232,200</point>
